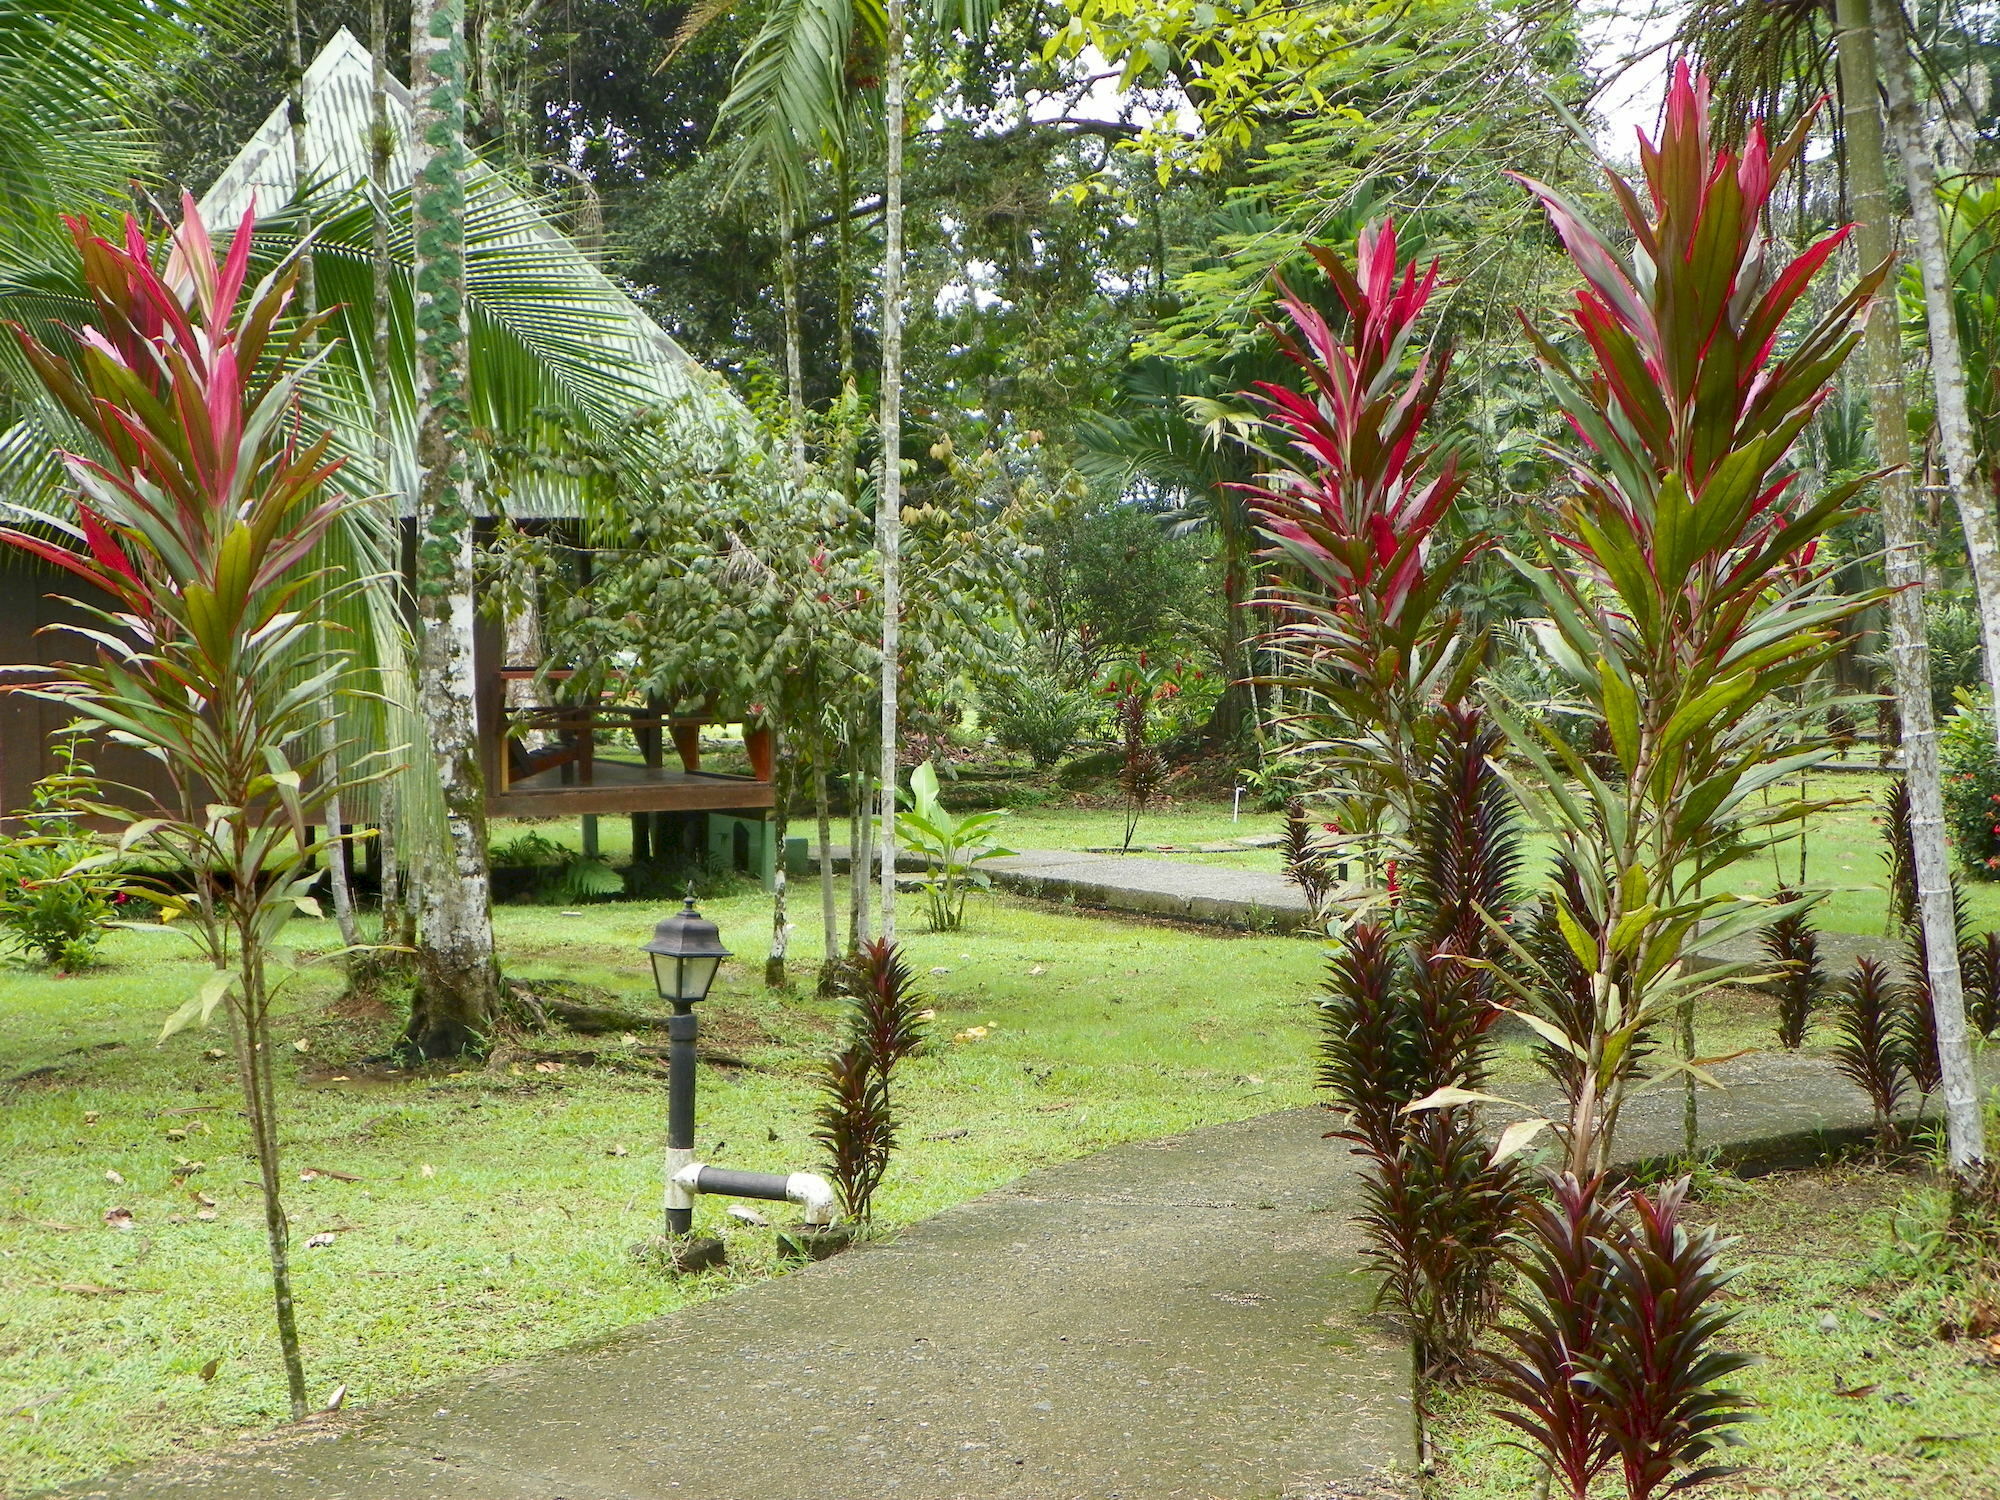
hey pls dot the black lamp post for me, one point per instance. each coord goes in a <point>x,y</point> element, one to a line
<point>686,951</point>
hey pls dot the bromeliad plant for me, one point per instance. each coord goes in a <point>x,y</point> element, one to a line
<point>952,848</point>
<point>1354,508</point>
<point>194,525</point>
<point>1679,575</point>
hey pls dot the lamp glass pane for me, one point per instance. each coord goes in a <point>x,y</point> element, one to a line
<point>697,974</point>
<point>663,974</point>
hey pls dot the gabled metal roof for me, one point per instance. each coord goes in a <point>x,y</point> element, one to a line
<point>338,91</point>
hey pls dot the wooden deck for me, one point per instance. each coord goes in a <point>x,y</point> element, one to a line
<point>621,786</point>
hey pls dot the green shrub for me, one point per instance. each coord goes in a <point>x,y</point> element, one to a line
<point>1042,719</point>
<point>50,910</point>
<point>1972,786</point>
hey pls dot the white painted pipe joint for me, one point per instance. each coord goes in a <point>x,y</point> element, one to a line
<point>811,1192</point>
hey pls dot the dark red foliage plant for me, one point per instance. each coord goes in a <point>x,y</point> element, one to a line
<point>1867,1049</point>
<point>1611,1353</point>
<point>1552,1330</point>
<point>1655,1376</point>
<point>1792,945</point>
<point>855,1121</point>
<point>1408,1014</point>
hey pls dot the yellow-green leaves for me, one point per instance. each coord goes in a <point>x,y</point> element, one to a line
<point>201,1005</point>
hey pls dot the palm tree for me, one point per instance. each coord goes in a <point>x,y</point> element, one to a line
<point>1176,434</point>
<point>70,71</point>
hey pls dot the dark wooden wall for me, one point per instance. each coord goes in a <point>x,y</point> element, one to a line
<point>31,599</point>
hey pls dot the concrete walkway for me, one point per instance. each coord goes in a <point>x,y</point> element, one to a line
<point>1180,1318</point>
<point>1217,895</point>
<point>1212,895</point>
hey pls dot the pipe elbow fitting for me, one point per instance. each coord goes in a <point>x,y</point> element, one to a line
<point>815,1195</point>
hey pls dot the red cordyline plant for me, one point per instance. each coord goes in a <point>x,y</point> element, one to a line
<point>194,524</point>
<point>1613,1354</point>
<point>1678,574</point>
<point>1353,507</point>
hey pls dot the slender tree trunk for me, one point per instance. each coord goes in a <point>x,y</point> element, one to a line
<point>829,900</point>
<point>861,856</point>
<point>1868,180</point>
<point>397,926</point>
<point>1964,1124</point>
<point>295,101</point>
<point>889,506</point>
<point>783,773</point>
<point>251,1033</point>
<point>456,978</point>
<point>1970,485</point>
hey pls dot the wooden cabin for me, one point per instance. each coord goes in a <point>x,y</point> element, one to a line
<point>540,759</point>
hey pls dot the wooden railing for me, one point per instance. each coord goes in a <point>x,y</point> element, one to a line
<point>575,729</point>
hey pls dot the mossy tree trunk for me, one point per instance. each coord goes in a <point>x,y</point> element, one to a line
<point>457,988</point>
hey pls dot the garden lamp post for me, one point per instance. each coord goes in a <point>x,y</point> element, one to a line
<point>686,950</point>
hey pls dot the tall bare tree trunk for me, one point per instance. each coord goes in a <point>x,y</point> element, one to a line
<point>456,978</point>
<point>860,854</point>
<point>829,900</point>
<point>1868,181</point>
<point>1963,1122</point>
<point>1970,485</point>
<point>889,505</point>
<point>396,924</point>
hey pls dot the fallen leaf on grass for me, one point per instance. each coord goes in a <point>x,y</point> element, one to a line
<point>949,1135</point>
<point>91,1117</point>
<point>1038,971</point>
<point>92,1289</point>
<point>118,1218</point>
<point>926,1015</point>
<point>112,1176</point>
<point>1855,1391</point>
<point>333,1402</point>
<point>616,1151</point>
<point>312,1172</point>
<point>206,1215</point>
<point>548,1067</point>
<point>744,1213</point>
<point>202,1198</point>
<point>972,1034</point>
<point>303,1044</point>
<point>428,1170</point>
<point>939,969</point>
<point>319,1241</point>
<point>215,1054</point>
<point>207,1371</point>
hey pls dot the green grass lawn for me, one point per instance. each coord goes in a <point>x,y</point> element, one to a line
<point>494,1210</point>
<point>1843,848</point>
<point>1859,1399</point>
